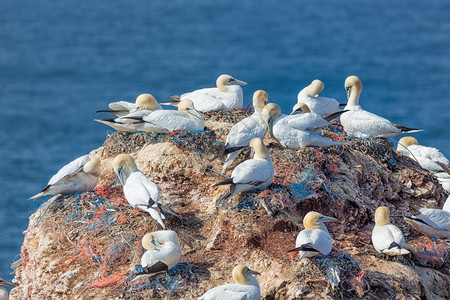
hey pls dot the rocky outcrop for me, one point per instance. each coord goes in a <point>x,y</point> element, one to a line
<point>89,246</point>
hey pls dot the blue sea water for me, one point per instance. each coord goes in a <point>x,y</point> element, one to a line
<point>60,61</point>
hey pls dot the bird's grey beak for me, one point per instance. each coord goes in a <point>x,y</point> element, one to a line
<point>327,219</point>
<point>253,272</point>
<point>155,243</point>
<point>6,283</point>
<point>297,111</point>
<point>234,81</point>
<point>349,91</point>
<point>295,249</point>
<point>195,112</point>
<point>121,175</point>
<point>270,127</point>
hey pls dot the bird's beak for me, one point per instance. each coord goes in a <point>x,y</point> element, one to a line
<point>270,127</point>
<point>327,219</point>
<point>297,111</point>
<point>195,112</point>
<point>295,249</point>
<point>237,82</point>
<point>121,175</point>
<point>349,91</point>
<point>6,283</point>
<point>253,272</point>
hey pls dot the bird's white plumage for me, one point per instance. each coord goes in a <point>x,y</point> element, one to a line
<point>384,236</point>
<point>168,250</point>
<point>71,168</point>
<point>432,221</point>
<point>242,133</point>
<point>139,190</point>
<point>358,122</point>
<point>233,292</point>
<point>171,120</point>
<point>319,239</point>
<point>246,287</point>
<point>307,121</point>
<point>226,96</point>
<point>288,130</point>
<point>427,157</point>
<point>3,294</point>
<point>253,174</point>
<point>444,179</point>
<point>320,105</point>
<point>122,106</point>
<point>211,99</point>
<point>71,179</point>
<point>446,206</point>
<point>143,101</point>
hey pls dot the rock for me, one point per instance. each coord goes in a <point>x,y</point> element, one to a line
<point>88,246</point>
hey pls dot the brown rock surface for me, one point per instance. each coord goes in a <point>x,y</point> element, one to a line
<point>86,246</point>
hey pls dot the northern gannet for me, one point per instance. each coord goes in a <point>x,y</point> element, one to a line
<point>139,191</point>
<point>432,222</point>
<point>163,252</point>
<point>246,287</point>
<point>245,130</point>
<point>314,239</point>
<point>78,176</point>
<point>387,238</point>
<point>429,158</point>
<point>3,292</point>
<point>320,105</point>
<point>227,96</point>
<point>253,174</point>
<point>358,122</point>
<point>290,130</point>
<point>143,102</point>
<point>187,118</point>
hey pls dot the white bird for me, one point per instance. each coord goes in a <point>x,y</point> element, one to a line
<point>291,131</point>
<point>314,239</point>
<point>78,176</point>
<point>245,130</point>
<point>246,287</point>
<point>432,222</point>
<point>143,102</point>
<point>139,191</point>
<point>3,292</point>
<point>253,174</point>
<point>163,252</point>
<point>227,96</point>
<point>187,118</point>
<point>386,237</point>
<point>320,105</point>
<point>358,122</point>
<point>428,158</point>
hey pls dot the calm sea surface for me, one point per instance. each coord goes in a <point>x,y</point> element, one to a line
<point>60,61</point>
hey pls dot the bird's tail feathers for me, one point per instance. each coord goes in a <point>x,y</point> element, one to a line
<point>174,102</point>
<point>444,167</point>
<point>334,115</point>
<point>407,129</point>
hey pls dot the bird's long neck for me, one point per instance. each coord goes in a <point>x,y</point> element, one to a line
<point>261,153</point>
<point>353,100</point>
